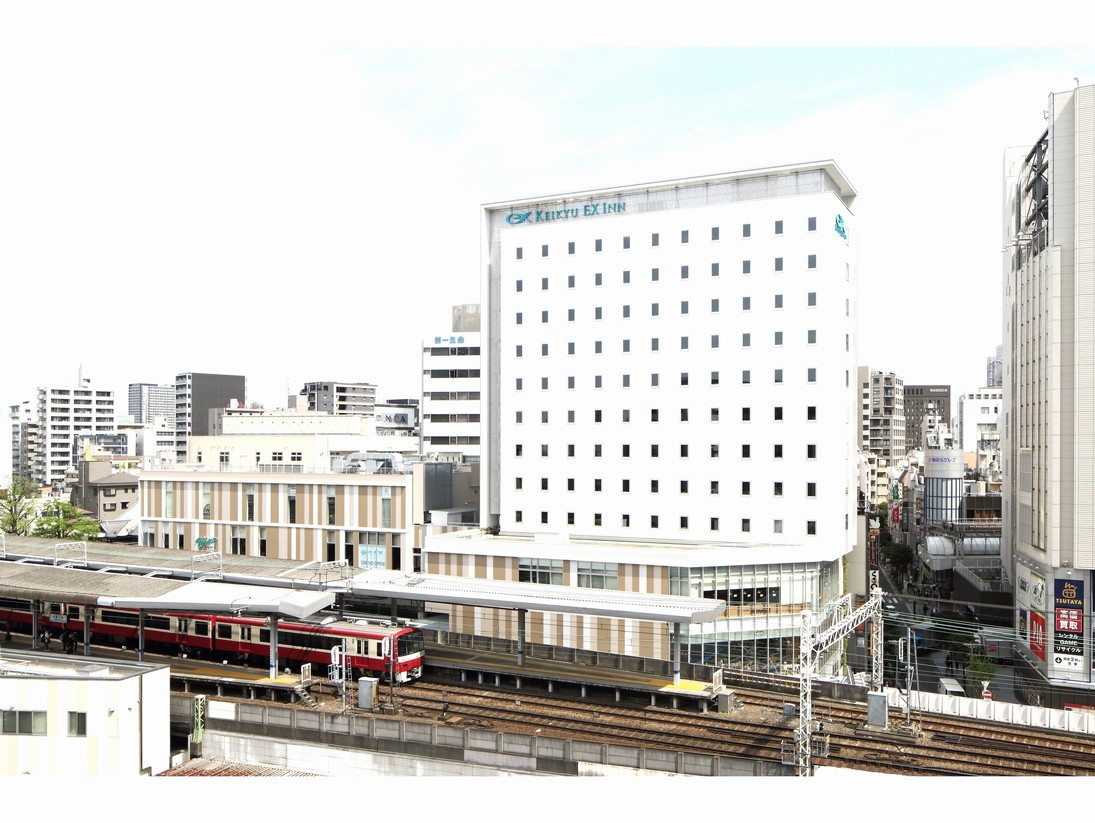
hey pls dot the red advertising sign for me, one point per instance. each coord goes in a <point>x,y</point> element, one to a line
<point>895,514</point>
<point>1038,635</point>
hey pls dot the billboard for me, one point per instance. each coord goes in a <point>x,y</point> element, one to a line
<point>1068,624</point>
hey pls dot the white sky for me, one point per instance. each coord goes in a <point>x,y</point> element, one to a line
<point>291,191</point>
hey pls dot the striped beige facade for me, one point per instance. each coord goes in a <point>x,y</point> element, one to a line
<point>363,518</point>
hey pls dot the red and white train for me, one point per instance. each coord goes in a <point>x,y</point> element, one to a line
<point>372,649</point>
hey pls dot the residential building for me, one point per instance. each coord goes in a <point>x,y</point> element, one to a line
<point>451,390</point>
<point>333,397</point>
<point>1048,421</point>
<point>24,438</point>
<point>45,432</point>
<point>882,430</point>
<point>197,396</point>
<point>148,401</point>
<point>669,406</point>
<point>925,405</point>
<point>106,488</point>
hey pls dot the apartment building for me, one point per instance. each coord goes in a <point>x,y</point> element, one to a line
<point>882,430</point>
<point>451,394</point>
<point>197,396</point>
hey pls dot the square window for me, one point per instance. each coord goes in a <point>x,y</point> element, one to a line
<point>654,379</point>
<point>597,380</point>
<point>654,275</point>
<point>543,417</point>
<point>714,232</point>
<point>626,451</point>
<point>570,247</point>
<point>520,383</point>
<point>543,284</point>
<point>746,230</point>
<point>597,450</point>
<point>779,227</point>
<point>745,413</point>
<point>520,350</point>
<point>543,484</point>
<point>597,519</point>
<point>596,245</point>
<point>714,378</point>
<point>714,415</point>
<point>520,318</point>
<point>684,522</point>
<point>777,489</point>
<point>811,261</point>
<point>627,242</point>
<point>811,224</point>
<point>714,269</point>
<point>777,451</point>
<point>625,521</point>
<point>778,338</point>
<point>543,383</point>
<point>714,524</point>
<point>520,285</point>
<point>543,251</point>
<point>684,450</point>
<point>543,316</point>
<point>777,413</point>
<point>745,488</point>
<point>570,449</point>
<point>596,346</point>
<point>684,272</point>
<point>745,450</point>
<point>745,376</point>
<point>714,341</point>
<point>777,526</point>
<point>811,412</point>
<point>811,527</point>
<point>779,301</point>
<point>746,266</point>
<point>596,484</point>
<point>520,253</point>
<point>653,343</point>
<point>714,305</point>
<point>518,516</point>
<point>653,415</point>
<point>684,307</point>
<point>653,449</point>
<point>684,378</point>
<point>811,489</point>
<point>597,313</point>
<point>570,518</point>
<point>654,309</point>
<point>811,336</point>
<point>597,278</point>
<point>714,487</point>
<point>625,485</point>
<point>653,486</point>
<point>520,417</point>
<point>745,524</point>
<point>684,487</point>
<point>596,415</point>
<point>626,381</point>
<point>714,449</point>
<point>543,349</point>
<point>811,451</point>
<point>779,375</point>
<point>684,415</point>
<point>570,348</point>
<point>811,298</point>
<point>570,281</point>
<point>627,276</point>
<point>779,264</point>
<point>654,239</point>
<point>653,521</point>
<point>627,311</point>
<point>684,235</point>
<point>570,381</point>
<point>746,304</point>
<point>811,375</point>
<point>627,345</point>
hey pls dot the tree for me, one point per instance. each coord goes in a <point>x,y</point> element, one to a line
<point>901,558</point>
<point>18,506</point>
<point>63,520</point>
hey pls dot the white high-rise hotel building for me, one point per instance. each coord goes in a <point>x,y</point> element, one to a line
<point>1048,424</point>
<point>670,404</point>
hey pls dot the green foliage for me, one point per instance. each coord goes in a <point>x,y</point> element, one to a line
<point>980,669</point>
<point>63,520</point>
<point>17,506</point>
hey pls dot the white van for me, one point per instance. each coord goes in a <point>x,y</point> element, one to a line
<point>948,685</point>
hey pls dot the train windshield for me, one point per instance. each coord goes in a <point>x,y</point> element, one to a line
<point>410,643</point>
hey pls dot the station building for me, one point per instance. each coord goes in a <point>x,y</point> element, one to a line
<point>670,405</point>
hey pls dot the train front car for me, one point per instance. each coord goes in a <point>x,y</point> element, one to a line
<point>409,652</point>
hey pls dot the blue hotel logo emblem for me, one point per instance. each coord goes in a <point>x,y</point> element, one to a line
<point>518,217</point>
<point>840,227</point>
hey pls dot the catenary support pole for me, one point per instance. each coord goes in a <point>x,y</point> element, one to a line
<point>521,636</point>
<point>273,646</point>
<point>676,654</point>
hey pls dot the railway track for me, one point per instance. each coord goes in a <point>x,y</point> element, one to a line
<point>759,730</point>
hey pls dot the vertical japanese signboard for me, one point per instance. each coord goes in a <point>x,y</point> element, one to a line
<point>1068,624</point>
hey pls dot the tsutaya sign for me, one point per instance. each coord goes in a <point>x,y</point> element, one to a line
<point>515,218</point>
